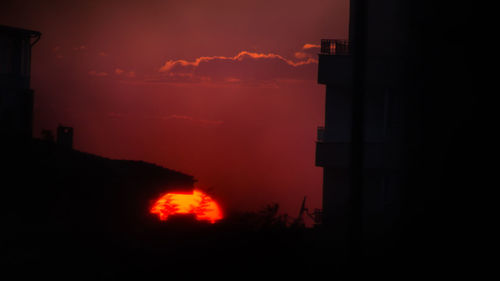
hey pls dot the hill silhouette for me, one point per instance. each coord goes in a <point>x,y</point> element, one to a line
<point>46,186</point>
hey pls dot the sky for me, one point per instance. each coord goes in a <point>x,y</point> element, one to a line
<point>224,90</point>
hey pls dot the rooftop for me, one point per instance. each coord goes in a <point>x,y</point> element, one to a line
<point>19,31</point>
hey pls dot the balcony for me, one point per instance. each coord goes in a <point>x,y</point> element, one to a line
<point>335,63</point>
<point>335,47</point>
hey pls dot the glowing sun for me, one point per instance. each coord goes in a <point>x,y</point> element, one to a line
<point>197,203</point>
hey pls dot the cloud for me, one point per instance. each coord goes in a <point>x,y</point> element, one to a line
<point>80,48</point>
<point>130,74</point>
<point>308,51</point>
<point>192,119</point>
<point>239,57</point>
<point>301,55</point>
<point>311,46</point>
<point>176,117</point>
<point>100,74</point>
<point>245,66</point>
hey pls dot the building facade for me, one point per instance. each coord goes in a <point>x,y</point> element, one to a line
<point>371,125</point>
<point>16,96</point>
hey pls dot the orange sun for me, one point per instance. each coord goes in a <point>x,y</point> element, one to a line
<point>197,203</point>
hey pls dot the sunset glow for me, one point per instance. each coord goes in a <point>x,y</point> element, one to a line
<point>197,203</point>
<point>195,86</point>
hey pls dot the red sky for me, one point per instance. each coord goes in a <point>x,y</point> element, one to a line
<point>222,90</point>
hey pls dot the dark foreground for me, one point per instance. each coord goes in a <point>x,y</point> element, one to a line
<point>68,215</point>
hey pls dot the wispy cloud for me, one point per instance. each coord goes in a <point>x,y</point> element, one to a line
<point>244,66</point>
<point>169,65</point>
<point>311,46</point>
<point>80,48</point>
<point>190,118</point>
<point>308,51</point>
<point>172,117</point>
<point>130,74</point>
<point>96,73</point>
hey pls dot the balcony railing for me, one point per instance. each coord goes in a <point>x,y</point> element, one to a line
<point>335,47</point>
<point>321,134</point>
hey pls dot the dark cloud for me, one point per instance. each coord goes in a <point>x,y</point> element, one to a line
<point>243,67</point>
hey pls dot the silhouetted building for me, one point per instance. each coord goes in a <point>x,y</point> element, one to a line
<point>65,136</point>
<point>334,139</point>
<point>16,97</point>
<point>47,135</point>
<point>379,143</point>
<point>392,108</point>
